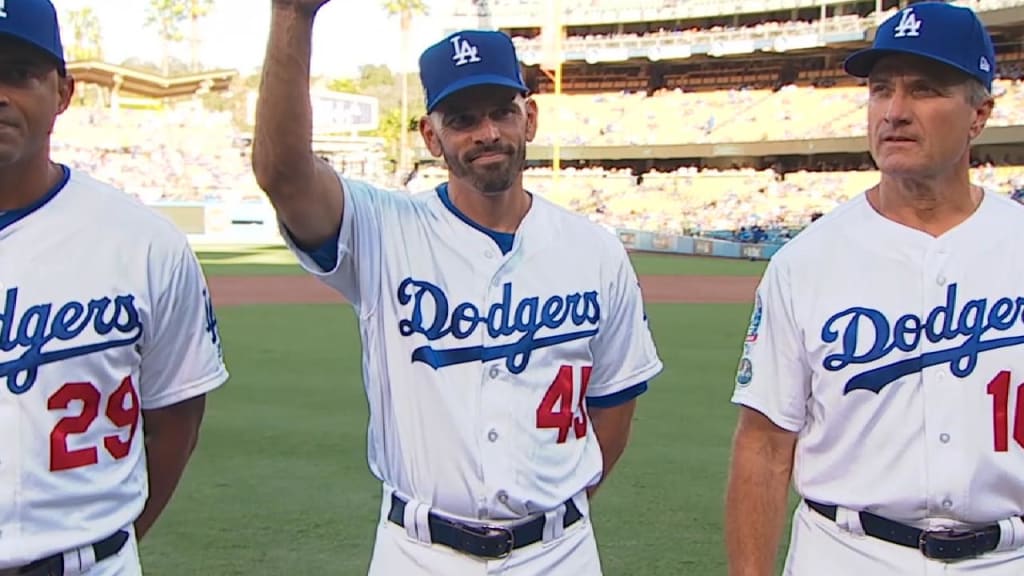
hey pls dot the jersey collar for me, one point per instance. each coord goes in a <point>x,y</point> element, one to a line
<point>11,216</point>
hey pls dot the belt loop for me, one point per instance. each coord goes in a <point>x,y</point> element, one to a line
<point>554,524</point>
<point>417,526</point>
<point>849,521</point>
<point>79,561</point>
<point>1011,534</point>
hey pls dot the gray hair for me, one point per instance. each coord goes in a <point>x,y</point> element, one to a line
<point>977,94</point>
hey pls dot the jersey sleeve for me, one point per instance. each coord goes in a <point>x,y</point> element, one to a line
<point>773,376</point>
<point>181,353</point>
<point>358,245</point>
<point>625,357</point>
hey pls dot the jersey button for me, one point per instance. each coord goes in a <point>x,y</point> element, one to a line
<point>947,503</point>
<point>502,496</point>
<point>944,438</point>
<point>941,280</point>
<point>494,372</point>
<point>492,435</point>
<point>489,254</point>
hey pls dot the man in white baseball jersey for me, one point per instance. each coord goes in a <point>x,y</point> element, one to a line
<point>883,368</point>
<point>504,338</point>
<point>108,340</point>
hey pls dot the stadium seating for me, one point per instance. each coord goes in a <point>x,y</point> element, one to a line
<point>724,116</point>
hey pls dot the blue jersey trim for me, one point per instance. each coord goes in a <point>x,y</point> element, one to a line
<point>617,399</point>
<point>11,216</point>
<point>326,254</point>
<point>504,240</point>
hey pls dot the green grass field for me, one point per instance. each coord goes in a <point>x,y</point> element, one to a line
<point>280,484</point>
<point>275,261</point>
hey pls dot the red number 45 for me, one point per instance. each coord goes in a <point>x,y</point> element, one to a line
<point>120,415</point>
<point>561,408</point>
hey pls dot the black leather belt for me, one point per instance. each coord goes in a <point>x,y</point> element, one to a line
<point>484,541</point>
<point>934,544</point>
<point>54,565</point>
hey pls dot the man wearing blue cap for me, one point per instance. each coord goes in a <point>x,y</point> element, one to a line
<point>890,387</point>
<point>504,338</point>
<point>108,341</point>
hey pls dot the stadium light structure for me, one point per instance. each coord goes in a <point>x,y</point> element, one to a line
<point>551,65</point>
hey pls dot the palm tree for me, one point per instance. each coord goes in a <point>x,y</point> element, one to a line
<point>169,16</point>
<point>197,10</point>
<point>405,10</point>
<point>87,34</point>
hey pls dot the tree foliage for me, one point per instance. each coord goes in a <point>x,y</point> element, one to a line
<point>86,35</point>
<point>169,18</point>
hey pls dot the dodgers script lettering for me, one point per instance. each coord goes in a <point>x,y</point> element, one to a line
<point>38,331</point>
<point>432,316</point>
<point>971,328</point>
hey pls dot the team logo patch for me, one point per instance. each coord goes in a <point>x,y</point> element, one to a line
<point>745,373</point>
<point>464,52</point>
<point>868,336</point>
<point>211,322</point>
<point>755,319</point>
<point>909,25</point>
<point>560,319</point>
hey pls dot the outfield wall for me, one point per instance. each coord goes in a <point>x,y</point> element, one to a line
<point>255,224</point>
<point>644,241</point>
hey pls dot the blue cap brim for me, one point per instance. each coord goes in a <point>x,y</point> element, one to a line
<point>860,63</point>
<point>470,81</point>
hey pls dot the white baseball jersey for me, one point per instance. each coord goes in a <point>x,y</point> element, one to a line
<point>899,359</point>
<point>104,312</point>
<point>478,365</point>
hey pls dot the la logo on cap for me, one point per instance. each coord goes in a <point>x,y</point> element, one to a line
<point>465,52</point>
<point>909,25</point>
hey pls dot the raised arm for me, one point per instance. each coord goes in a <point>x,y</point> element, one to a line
<point>304,189</point>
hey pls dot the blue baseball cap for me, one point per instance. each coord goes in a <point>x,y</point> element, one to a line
<point>469,58</point>
<point>33,22</point>
<point>946,33</point>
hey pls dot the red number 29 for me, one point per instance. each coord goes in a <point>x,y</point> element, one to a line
<point>120,413</point>
<point>561,408</point>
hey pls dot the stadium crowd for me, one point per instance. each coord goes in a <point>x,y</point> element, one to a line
<point>724,116</point>
<point>200,157</point>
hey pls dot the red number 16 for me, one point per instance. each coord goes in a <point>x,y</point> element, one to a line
<point>999,389</point>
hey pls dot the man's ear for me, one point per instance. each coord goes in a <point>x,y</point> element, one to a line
<point>65,90</point>
<point>531,118</point>
<point>428,131</point>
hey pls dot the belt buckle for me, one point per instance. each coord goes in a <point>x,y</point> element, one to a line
<point>489,532</point>
<point>948,544</point>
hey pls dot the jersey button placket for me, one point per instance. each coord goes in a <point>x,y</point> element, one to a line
<point>939,389</point>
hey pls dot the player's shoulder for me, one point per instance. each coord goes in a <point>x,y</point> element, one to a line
<point>1005,207</point>
<point>570,224</point>
<point>116,212</point>
<point>387,199</point>
<point>821,235</point>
